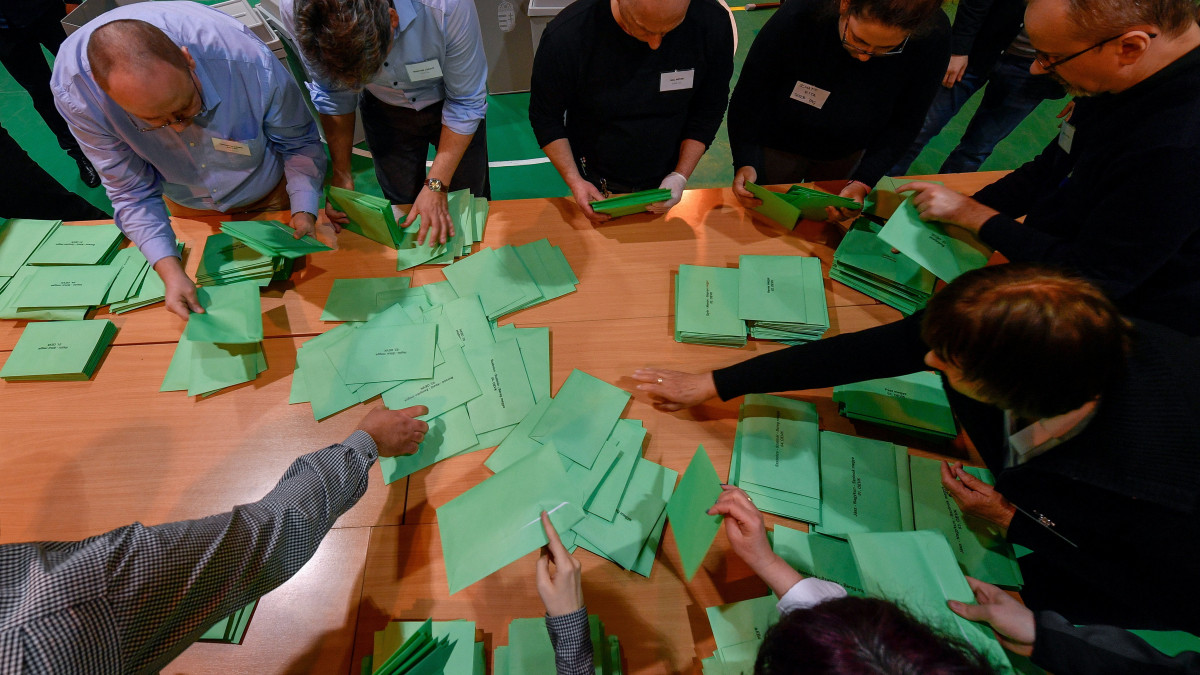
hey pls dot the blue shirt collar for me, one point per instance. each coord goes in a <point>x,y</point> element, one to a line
<point>406,13</point>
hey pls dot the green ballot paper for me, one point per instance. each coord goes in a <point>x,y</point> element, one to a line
<point>864,486</point>
<point>19,238</point>
<point>360,299</point>
<point>499,520</point>
<point>774,207</point>
<point>635,202</point>
<point>818,555</point>
<point>59,350</point>
<point>68,286</point>
<point>581,417</point>
<point>812,202</point>
<point>915,403</point>
<point>706,306</point>
<point>273,238</point>
<point>776,456</point>
<point>931,246</point>
<point>370,216</point>
<point>78,245</point>
<point>232,315</point>
<point>688,509</point>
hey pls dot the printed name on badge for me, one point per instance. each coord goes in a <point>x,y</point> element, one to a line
<point>426,70</point>
<point>677,80</point>
<point>806,93</point>
<point>1066,136</point>
<point>231,146</point>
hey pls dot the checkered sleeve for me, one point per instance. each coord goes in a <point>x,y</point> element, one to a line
<point>572,642</point>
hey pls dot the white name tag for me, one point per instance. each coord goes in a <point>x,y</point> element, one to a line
<point>806,93</point>
<point>1066,136</point>
<point>677,80</point>
<point>231,146</point>
<point>426,70</point>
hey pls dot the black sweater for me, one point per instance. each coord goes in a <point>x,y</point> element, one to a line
<point>1120,208</point>
<point>1124,489</point>
<point>878,105</point>
<point>598,87</point>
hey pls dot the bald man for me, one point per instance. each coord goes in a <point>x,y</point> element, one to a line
<point>628,94</point>
<point>176,100</point>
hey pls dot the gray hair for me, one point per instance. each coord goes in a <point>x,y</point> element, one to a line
<point>346,40</point>
<point>130,44</point>
<point>1100,19</point>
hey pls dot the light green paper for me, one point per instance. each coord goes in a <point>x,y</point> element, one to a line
<point>623,538</point>
<point>77,245</point>
<point>360,299</point>
<point>273,238</point>
<point>688,508</point>
<point>535,353</point>
<point>864,486</point>
<point>232,315</point>
<point>466,318</point>
<point>706,306</point>
<point>582,416</point>
<point>929,245</point>
<point>449,434</point>
<point>390,353</point>
<point>818,555</point>
<point>19,238</point>
<point>518,444</point>
<point>59,350</point>
<point>627,436</point>
<point>780,445</point>
<point>67,286</point>
<point>483,273</point>
<point>370,216</point>
<point>505,396</point>
<point>915,402</point>
<point>745,621</point>
<point>452,385</point>
<point>774,207</point>
<point>812,202</point>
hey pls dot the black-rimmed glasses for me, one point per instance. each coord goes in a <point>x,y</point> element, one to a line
<point>179,120</point>
<point>866,52</point>
<point>1043,59</point>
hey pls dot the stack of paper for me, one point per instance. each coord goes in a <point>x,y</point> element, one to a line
<point>227,260</point>
<point>706,307</point>
<point>232,628</point>
<point>398,649</point>
<point>529,649</point>
<point>512,278</point>
<point>59,350</point>
<point>914,403</point>
<point>78,245</point>
<point>813,202</point>
<point>469,215</point>
<point>222,346</point>
<point>146,289</point>
<point>625,205</point>
<point>19,238</point>
<point>945,253</point>
<point>774,207</point>
<point>776,456</point>
<point>738,629</point>
<point>818,555</point>
<point>782,298</point>
<point>65,288</point>
<point>370,216</point>
<point>273,238</point>
<point>868,265</point>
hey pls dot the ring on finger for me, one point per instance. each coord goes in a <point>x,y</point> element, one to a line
<point>660,380</point>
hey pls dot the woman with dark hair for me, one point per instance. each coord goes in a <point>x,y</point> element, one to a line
<point>835,89</point>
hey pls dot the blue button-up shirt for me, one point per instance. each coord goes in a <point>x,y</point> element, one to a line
<point>446,31</point>
<point>250,98</point>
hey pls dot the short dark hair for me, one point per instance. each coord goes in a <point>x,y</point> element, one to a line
<point>1100,19</point>
<point>856,636</point>
<point>1038,341</point>
<point>130,43</point>
<point>346,40</point>
<point>912,16</point>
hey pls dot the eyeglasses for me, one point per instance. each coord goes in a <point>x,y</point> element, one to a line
<point>866,52</point>
<point>1043,59</point>
<point>179,120</point>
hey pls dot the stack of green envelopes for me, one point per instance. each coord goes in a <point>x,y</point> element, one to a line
<point>469,215</point>
<point>738,629</point>
<point>868,265</point>
<point>273,238</point>
<point>146,289</point>
<point>813,202</point>
<point>914,403</point>
<point>782,298</point>
<point>529,649</point>
<point>370,216</point>
<point>19,238</point>
<point>221,347</point>
<point>78,245</point>
<point>512,278</point>
<point>635,202</point>
<point>774,207</point>
<point>818,555</point>
<point>415,647</point>
<point>231,629</point>
<point>59,350</point>
<point>776,456</point>
<point>945,253</point>
<point>227,260</point>
<point>706,306</point>
<point>57,291</point>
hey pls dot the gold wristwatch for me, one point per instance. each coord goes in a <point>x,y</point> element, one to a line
<point>435,185</point>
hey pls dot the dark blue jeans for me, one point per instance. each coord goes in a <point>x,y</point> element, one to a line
<point>1012,93</point>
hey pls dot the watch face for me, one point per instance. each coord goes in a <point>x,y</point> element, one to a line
<point>434,184</point>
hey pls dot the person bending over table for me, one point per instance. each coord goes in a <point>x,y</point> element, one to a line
<point>627,95</point>
<point>1090,423</point>
<point>835,89</point>
<point>1106,197</point>
<point>179,100</point>
<point>132,599</point>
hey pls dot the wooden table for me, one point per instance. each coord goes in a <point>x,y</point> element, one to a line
<point>80,458</point>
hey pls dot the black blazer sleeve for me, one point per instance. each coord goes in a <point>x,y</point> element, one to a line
<point>1066,649</point>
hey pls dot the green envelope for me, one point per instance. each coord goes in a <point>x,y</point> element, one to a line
<point>918,571</point>
<point>460,633</point>
<point>867,264</point>
<point>774,207</point>
<point>449,434</point>
<point>439,292</point>
<point>131,266</point>
<point>648,479</point>
<point>548,267</point>
<point>706,306</point>
<point>498,521</point>
<point>505,395</point>
<point>778,447</point>
<point>78,245</point>
<point>452,385</point>
<point>484,273</point>
<point>535,353</point>
<point>622,539</point>
<point>273,238</point>
<point>627,436</point>
<point>469,326</point>
<point>518,444</point>
<point>635,202</point>
<point>688,508</point>
<point>864,486</point>
<point>201,368</point>
<point>745,621</point>
<point>19,238</point>
<point>67,286</point>
<point>360,299</point>
<point>59,350</point>
<point>915,403</point>
<point>232,315</point>
<point>782,297</point>
<point>581,417</point>
<point>812,202</point>
<point>930,246</point>
<point>818,555</point>
<point>370,216</point>
<point>389,353</point>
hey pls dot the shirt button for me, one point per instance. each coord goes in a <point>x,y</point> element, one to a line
<point>385,63</point>
<point>414,99</point>
<point>203,166</point>
<point>395,84</point>
<point>192,144</point>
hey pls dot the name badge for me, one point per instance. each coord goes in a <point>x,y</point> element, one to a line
<point>231,146</point>
<point>806,93</point>
<point>1066,136</point>
<point>426,70</point>
<point>677,80</point>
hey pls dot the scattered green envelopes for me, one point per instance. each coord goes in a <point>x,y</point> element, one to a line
<point>273,238</point>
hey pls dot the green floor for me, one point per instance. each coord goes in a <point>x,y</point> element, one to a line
<point>510,138</point>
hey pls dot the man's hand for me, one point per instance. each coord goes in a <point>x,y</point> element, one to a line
<point>396,432</point>
<point>344,181</point>
<point>1012,622</point>
<point>940,203</point>
<point>585,193</point>
<point>305,224</point>
<point>955,70</point>
<point>673,390</point>
<point>748,200</point>
<point>435,217</point>
<point>977,498</point>
<point>856,190</point>
<point>675,182</point>
<point>180,294</point>
<point>562,589</point>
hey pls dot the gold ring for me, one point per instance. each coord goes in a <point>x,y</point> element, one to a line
<point>660,380</point>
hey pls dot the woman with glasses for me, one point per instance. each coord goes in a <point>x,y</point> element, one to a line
<point>835,89</point>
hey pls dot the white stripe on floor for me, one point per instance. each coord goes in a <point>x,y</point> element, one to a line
<point>494,165</point>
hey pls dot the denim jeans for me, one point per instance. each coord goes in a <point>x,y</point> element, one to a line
<point>1012,94</point>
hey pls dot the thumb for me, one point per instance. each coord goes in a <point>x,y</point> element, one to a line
<point>298,234</point>
<point>969,612</point>
<point>194,303</point>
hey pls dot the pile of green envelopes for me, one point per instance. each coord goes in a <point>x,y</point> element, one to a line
<point>945,253</point>
<point>776,456</point>
<point>627,205</point>
<point>914,403</point>
<point>19,238</point>
<point>706,306</point>
<point>786,209</point>
<point>782,297</point>
<point>231,629</point>
<point>738,629</point>
<point>221,347</point>
<point>227,260</point>
<point>529,649</point>
<point>273,238</point>
<point>512,278</point>
<point>78,245</point>
<point>426,647</point>
<point>867,264</point>
<point>59,350</point>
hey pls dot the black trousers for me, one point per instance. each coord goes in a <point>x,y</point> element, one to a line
<point>400,138</point>
<point>30,192</point>
<point>21,54</point>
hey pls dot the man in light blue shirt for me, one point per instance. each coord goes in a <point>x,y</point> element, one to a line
<point>179,100</point>
<point>417,70</point>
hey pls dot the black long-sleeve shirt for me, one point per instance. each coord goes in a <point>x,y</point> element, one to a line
<point>1066,649</point>
<point>601,89</point>
<point>877,105</point>
<point>1118,207</point>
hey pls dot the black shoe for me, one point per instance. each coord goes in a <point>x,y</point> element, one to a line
<point>87,172</point>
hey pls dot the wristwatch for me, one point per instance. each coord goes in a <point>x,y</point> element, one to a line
<point>435,185</point>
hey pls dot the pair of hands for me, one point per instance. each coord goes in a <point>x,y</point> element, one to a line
<point>584,193</point>
<point>436,224</point>
<point>855,190</point>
